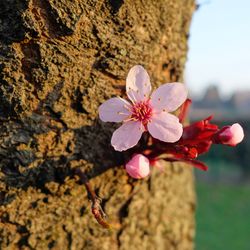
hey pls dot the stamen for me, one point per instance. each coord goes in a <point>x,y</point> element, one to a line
<point>122,100</point>
<point>127,107</point>
<point>141,127</point>
<point>126,104</point>
<point>121,113</point>
<point>133,97</point>
<point>142,111</point>
<point>129,119</point>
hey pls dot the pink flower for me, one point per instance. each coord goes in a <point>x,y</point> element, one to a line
<point>230,135</point>
<point>144,113</point>
<point>138,166</point>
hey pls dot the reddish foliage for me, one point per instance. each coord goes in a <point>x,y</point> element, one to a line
<point>196,139</point>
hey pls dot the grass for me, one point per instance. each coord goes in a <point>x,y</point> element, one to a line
<point>223,217</point>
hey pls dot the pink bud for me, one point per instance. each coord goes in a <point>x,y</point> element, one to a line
<point>138,166</point>
<point>231,135</point>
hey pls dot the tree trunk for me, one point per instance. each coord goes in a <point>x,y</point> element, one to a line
<point>59,61</point>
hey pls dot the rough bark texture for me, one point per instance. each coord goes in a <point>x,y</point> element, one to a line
<point>59,60</point>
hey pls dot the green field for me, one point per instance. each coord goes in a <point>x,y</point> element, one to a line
<point>223,217</point>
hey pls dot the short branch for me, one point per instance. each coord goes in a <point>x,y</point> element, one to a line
<point>96,208</point>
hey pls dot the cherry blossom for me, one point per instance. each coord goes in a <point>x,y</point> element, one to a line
<point>138,166</point>
<point>144,112</point>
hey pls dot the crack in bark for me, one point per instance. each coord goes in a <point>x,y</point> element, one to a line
<point>30,61</point>
<point>43,14</point>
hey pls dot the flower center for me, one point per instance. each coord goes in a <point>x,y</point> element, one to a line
<point>142,111</point>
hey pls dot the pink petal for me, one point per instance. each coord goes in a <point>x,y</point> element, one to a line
<point>114,110</point>
<point>231,135</point>
<point>165,127</point>
<point>138,84</point>
<point>238,133</point>
<point>169,96</point>
<point>138,166</point>
<point>127,136</point>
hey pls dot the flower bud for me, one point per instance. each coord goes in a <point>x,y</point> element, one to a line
<point>230,135</point>
<point>138,166</point>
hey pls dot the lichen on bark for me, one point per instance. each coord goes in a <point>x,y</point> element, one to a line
<point>59,60</point>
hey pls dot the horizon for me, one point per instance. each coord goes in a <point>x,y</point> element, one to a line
<point>199,96</point>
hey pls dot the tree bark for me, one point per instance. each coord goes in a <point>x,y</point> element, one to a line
<point>59,60</point>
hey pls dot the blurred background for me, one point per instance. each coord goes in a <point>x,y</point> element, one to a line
<point>218,76</point>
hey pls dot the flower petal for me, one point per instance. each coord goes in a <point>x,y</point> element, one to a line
<point>238,133</point>
<point>138,84</point>
<point>114,110</point>
<point>127,136</point>
<point>169,96</point>
<point>165,127</point>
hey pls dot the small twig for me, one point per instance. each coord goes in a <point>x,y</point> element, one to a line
<point>195,163</point>
<point>96,208</point>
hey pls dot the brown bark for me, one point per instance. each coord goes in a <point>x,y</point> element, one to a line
<point>59,61</point>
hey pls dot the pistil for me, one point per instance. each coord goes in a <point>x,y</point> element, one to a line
<point>142,111</point>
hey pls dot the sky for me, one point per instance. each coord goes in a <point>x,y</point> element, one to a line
<point>219,47</point>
